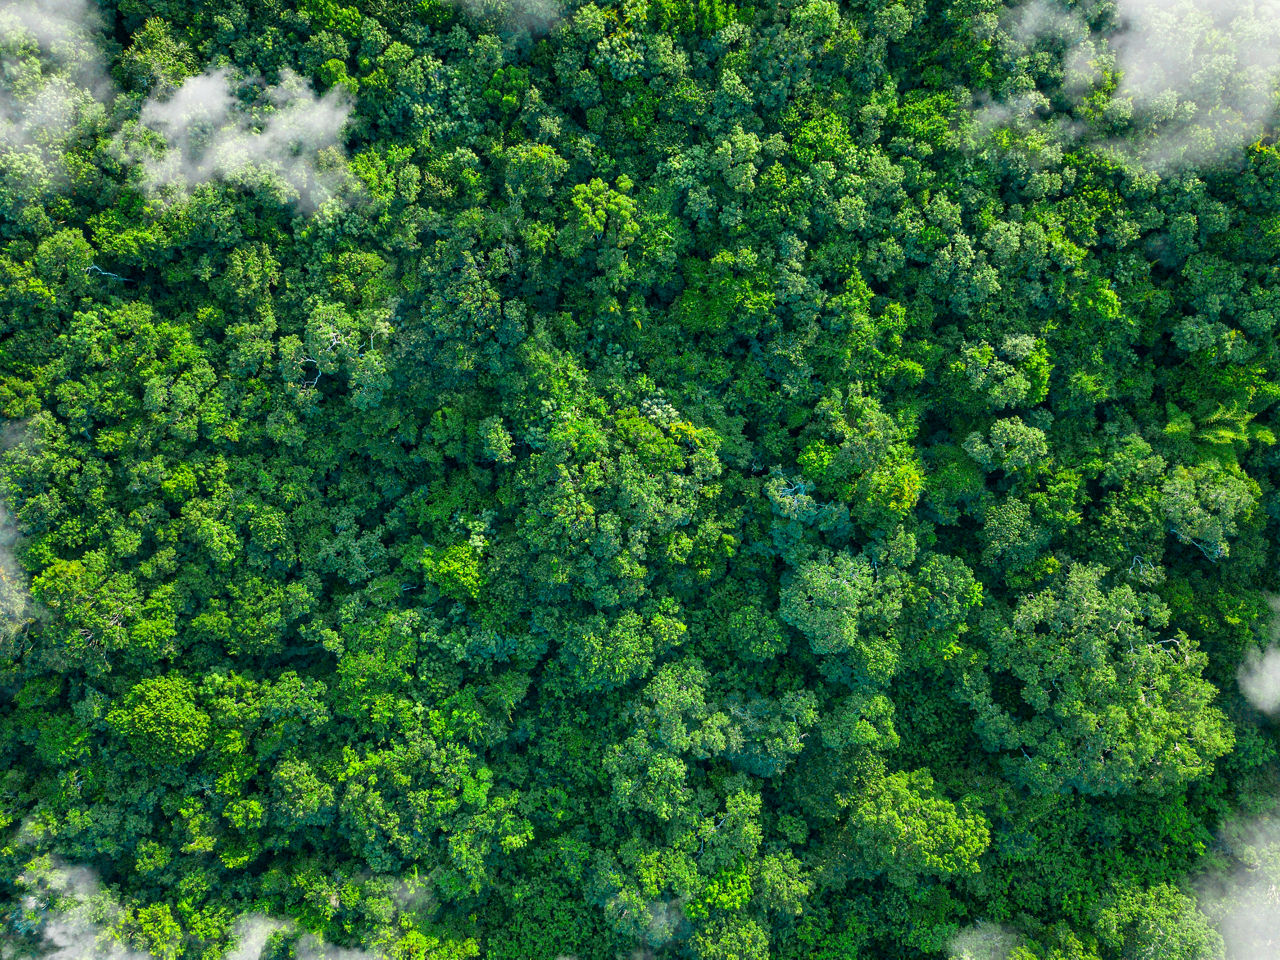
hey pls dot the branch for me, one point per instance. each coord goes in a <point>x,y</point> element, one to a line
<point>94,268</point>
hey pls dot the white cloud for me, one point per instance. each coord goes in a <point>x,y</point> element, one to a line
<point>210,135</point>
<point>665,917</point>
<point>533,15</point>
<point>41,98</point>
<point>1245,902</point>
<point>51,22</point>
<point>77,916</point>
<point>16,610</point>
<point>312,948</point>
<point>250,934</point>
<point>1259,678</point>
<point>1203,72</point>
<point>1259,674</point>
<point>1045,18</point>
<point>288,133</point>
<point>1021,112</point>
<point>983,941</point>
<point>1197,78</point>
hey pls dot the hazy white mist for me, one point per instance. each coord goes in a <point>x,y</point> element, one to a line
<point>983,941</point>
<point>77,926</point>
<point>42,96</point>
<point>250,934</point>
<point>1259,679</point>
<point>1259,674</point>
<point>209,134</point>
<point>1245,901</point>
<point>1196,79</point>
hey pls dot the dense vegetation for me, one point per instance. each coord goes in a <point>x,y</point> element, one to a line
<point>786,480</point>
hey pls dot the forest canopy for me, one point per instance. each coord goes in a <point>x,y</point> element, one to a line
<point>690,479</point>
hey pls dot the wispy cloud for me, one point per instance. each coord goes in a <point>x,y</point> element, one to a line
<point>202,131</point>
<point>42,96</point>
<point>311,947</point>
<point>1195,79</point>
<point>75,915</point>
<point>1201,74</point>
<point>210,134</point>
<point>78,920</point>
<point>250,934</point>
<point>51,22</point>
<point>1259,673</point>
<point>1244,901</point>
<point>16,608</point>
<point>536,16</point>
<point>983,941</point>
<point>1259,678</point>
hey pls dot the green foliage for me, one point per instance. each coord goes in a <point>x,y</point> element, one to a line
<point>713,480</point>
<point>1113,706</point>
<point>840,604</point>
<point>1158,922</point>
<point>455,571</point>
<point>901,827</point>
<point>161,720</point>
<point>685,17</point>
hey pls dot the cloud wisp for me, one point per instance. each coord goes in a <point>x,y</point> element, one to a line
<point>1259,679</point>
<point>311,947</point>
<point>1192,81</point>
<point>250,934</point>
<point>536,16</point>
<point>43,96</point>
<point>18,611</point>
<point>77,920</point>
<point>983,941</point>
<point>75,915</point>
<point>1243,898</point>
<point>210,135</point>
<point>1244,902</point>
<point>53,81</point>
<point>1201,74</point>
<point>16,608</point>
<point>1259,673</point>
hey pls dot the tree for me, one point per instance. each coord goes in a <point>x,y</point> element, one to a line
<point>1084,693</point>
<point>900,826</point>
<point>1203,506</point>
<point>844,609</point>
<point>1159,921</point>
<point>161,720</point>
